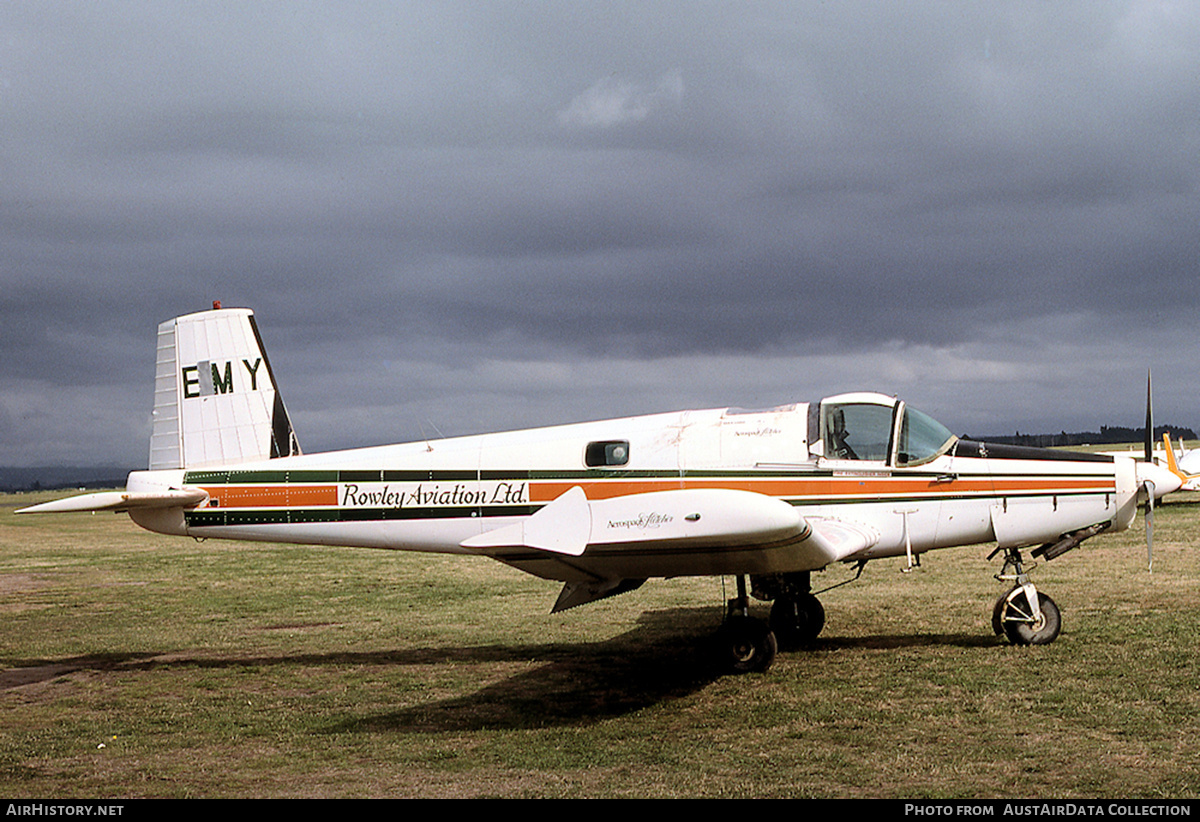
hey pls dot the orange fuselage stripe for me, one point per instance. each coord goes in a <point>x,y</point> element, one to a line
<point>274,496</point>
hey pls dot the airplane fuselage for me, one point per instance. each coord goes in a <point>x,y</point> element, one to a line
<point>436,495</point>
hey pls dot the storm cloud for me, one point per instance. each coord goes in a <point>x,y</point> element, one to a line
<point>457,217</point>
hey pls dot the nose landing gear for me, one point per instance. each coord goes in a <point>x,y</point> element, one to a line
<point>1024,615</point>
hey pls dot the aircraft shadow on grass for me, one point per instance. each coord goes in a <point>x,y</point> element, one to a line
<point>577,685</point>
<point>564,684</point>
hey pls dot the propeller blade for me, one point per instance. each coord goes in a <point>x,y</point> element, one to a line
<point>1149,422</point>
<point>1150,527</point>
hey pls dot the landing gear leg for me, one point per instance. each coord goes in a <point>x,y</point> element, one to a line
<point>1024,615</point>
<point>745,644</point>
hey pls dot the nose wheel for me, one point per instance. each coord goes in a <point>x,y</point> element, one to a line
<point>1017,618</point>
<point>1024,615</point>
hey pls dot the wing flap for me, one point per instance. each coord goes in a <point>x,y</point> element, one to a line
<point>838,539</point>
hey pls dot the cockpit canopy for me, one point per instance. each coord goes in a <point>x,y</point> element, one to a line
<point>878,428</point>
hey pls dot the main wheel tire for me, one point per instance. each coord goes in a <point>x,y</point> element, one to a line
<point>1022,629</point>
<point>746,645</point>
<point>797,620</point>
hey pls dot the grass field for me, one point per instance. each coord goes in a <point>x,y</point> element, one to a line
<point>134,665</point>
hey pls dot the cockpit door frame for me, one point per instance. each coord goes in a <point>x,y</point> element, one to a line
<point>830,404</point>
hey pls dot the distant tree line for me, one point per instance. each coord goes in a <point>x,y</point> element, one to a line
<point>58,477</point>
<point>1107,435</point>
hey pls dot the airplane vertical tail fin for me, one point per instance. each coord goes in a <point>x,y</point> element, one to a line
<point>215,398</point>
<point>1172,464</point>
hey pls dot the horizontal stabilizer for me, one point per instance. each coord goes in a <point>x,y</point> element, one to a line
<point>121,501</point>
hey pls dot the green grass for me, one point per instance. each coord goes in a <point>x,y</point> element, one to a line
<point>136,665</point>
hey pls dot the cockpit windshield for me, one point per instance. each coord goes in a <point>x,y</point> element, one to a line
<point>921,438</point>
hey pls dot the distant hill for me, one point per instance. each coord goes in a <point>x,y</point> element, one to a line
<point>1107,435</point>
<point>52,477</point>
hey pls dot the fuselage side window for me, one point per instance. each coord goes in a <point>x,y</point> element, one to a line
<point>606,453</point>
<point>858,431</point>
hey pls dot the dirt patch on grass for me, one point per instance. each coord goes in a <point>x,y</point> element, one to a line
<point>20,583</point>
<point>15,585</point>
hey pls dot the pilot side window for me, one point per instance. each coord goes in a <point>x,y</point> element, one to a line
<point>858,431</point>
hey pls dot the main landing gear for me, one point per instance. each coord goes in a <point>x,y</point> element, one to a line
<point>749,645</point>
<point>1024,615</point>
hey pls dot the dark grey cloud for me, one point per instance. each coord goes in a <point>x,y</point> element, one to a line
<point>478,215</point>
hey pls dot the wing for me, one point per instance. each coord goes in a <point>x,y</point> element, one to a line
<point>698,517</point>
<point>686,532</point>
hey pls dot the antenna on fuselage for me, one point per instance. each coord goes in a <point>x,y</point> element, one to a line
<point>440,435</point>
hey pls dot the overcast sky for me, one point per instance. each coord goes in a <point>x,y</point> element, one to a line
<point>457,217</point>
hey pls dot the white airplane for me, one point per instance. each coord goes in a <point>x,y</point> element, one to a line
<point>770,495</point>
